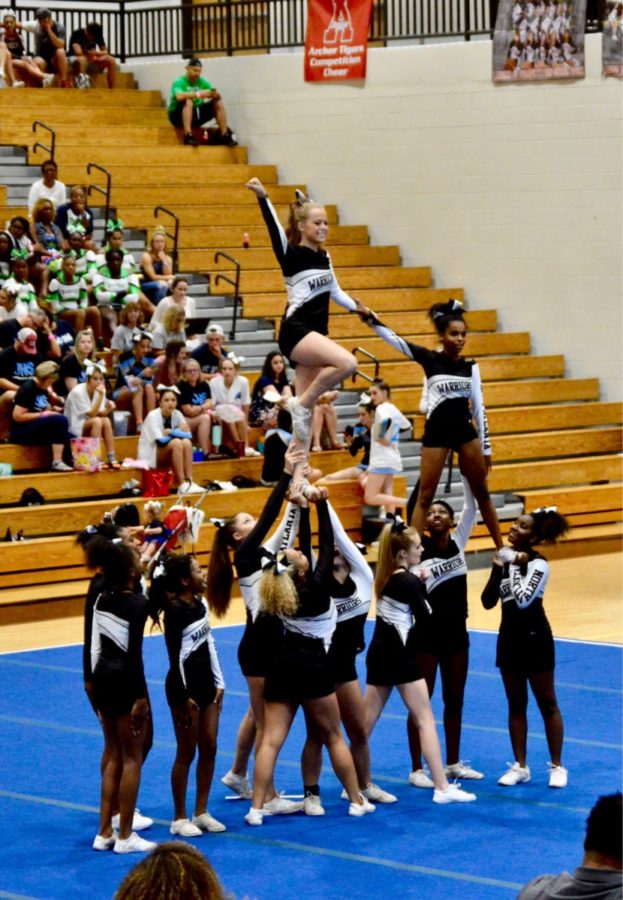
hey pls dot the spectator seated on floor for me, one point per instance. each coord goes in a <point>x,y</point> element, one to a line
<point>230,393</point>
<point>135,379</point>
<point>114,241</point>
<point>17,283</point>
<point>10,306</point>
<point>48,187</point>
<point>88,410</point>
<point>168,367</point>
<point>24,67</point>
<point>170,329</point>
<point>88,54</point>
<point>156,268</point>
<point>50,54</point>
<point>130,318</point>
<point>194,102</point>
<point>17,366</point>
<point>269,391</point>
<point>38,416</point>
<point>113,287</point>
<point>179,297</point>
<point>210,353</point>
<point>76,212</point>
<point>599,875</point>
<point>73,368</point>
<point>68,299</point>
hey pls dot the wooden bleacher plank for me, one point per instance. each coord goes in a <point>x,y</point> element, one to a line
<point>541,444</point>
<point>383,300</point>
<point>551,472</point>
<point>136,135</point>
<point>218,236</point>
<point>480,344</point>
<point>258,258</point>
<point>93,116</point>
<point>401,374</point>
<point>173,174</point>
<point>350,279</point>
<point>404,323</point>
<point>30,98</point>
<point>578,499</point>
<point>198,195</point>
<point>141,216</point>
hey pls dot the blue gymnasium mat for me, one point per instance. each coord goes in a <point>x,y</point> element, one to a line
<point>50,743</point>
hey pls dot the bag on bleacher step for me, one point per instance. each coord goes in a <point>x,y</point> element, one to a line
<point>86,453</point>
<point>156,482</point>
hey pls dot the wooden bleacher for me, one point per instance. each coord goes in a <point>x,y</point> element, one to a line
<point>554,440</point>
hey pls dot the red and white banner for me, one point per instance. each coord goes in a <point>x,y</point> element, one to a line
<point>336,41</point>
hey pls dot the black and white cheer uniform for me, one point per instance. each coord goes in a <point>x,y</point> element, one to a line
<point>116,651</point>
<point>263,633</point>
<point>194,670</point>
<point>300,671</point>
<point>391,656</point>
<point>352,604</point>
<point>525,641</point>
<point>445,631</point>
<point>310,284</point>
<point>454,395</point>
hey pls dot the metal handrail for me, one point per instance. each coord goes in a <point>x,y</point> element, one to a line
<point>174,237</point>
<point>235,284</point>
<point>101,190</point>
<point>375,360</point>
<point>52,146</point>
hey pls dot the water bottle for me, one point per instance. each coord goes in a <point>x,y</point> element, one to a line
<point>245,240</point>
<point>217,435</point>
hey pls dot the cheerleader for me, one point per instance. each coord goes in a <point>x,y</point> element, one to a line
<point>310,282</point>
<point>351,591</point>
<point>525,650</point>
<point>119,694</point>
<point>454,398</point>
<point>385,461</point>
<point>246,536</point>
<point>300,674</point>
<point>441,639</point>
<point>391,659</point>
<point>194,685</point>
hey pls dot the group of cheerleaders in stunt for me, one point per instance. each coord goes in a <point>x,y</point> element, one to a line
<point>306,609</point>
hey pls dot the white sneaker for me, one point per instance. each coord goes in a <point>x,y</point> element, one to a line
<point>185,828</point>
<point>378,795</point>
<point>278,806</point>
<point>59,466</point>
<point>516,774</point>
<point>462,770</point>
<point>134,844</point>
<point>301,419</point>
<point>19,84</point>
<point>558,776</point>
<point>361,809</point>
<point>452,794</point>
<point>239,784</point>
<point>48,80</point>
<point>312,805</point>
<point>254,817</point>
<point>206,822</point>
<point>190,487</point>
<point>420,779</point>
<point>250,451</point>
<point>139,822</point>
<point>104,843</point>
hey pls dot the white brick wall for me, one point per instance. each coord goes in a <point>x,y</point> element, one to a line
<point>513,192</point>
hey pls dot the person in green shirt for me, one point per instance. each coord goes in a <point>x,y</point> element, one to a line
<point>68,299</point>
<point>194,102</point>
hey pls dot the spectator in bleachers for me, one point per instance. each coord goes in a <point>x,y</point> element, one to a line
<point>85,259</point>
<point>130,318</point>
<point>210,353</point>
<point>165,441</point>
<point>38,415</point>
<point>357,439</point>
<point>73,369</point>
<point>17,366</point>
<point>19,227</point>
<point>230,392</point>
<point>48,346</point>
<point>17,282</point>
<point>89,53</point>
<point>6,246</point>
<point>173,871</point>
<point>156,268</point>
<point>49,37</point>
<point>171,328</point>
<point>46,235</point>
<point>194,102</point>
<point>325,420</point>
<point>195,403</point>
<point>113,287</point>
<point>48,187</point>
<point>168,367</point>
<point>69,300</point>
<point>135,379</point>
<point>10,306</point>
<point>89,410</point>
<point>76,212</point>
<point>23,65</point>
<point>179,297</point>
<point>271,388</point>
<point>114,241</point>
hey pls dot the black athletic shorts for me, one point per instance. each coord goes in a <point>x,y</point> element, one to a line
<point>201,114</point>
<point>300,671</point>
<point>526,652</point>
<point>389,661</point>
<point>259,644</point>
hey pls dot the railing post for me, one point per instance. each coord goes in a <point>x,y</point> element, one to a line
<point>467,19</point>
<point>122,47</point>
<point>228,19</point>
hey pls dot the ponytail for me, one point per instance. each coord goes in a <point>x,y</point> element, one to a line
<point>391,542</point>
<point>441,314</point>
<point>548,525</point>
<point>220,569</point>
<point>299,211</point>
